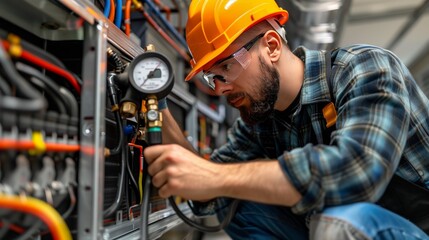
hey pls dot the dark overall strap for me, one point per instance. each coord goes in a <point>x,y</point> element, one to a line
<point>328,70</point>
<point>323,130</point>
<point>329,112</point>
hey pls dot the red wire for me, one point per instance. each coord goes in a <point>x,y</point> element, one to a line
<point>141,153</point>
<point>14,228</point>
<point>48,66</point>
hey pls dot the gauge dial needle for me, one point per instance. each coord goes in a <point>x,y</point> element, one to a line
<point>150,74</point>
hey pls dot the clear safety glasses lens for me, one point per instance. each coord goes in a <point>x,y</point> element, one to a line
<point>228,70</point>
<point>231,67</point>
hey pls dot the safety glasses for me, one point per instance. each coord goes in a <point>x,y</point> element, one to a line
<point>229,68</point>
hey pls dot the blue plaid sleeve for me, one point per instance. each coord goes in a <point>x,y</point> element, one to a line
<point>373,108</point>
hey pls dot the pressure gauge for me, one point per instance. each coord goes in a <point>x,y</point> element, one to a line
<point>151,73</point>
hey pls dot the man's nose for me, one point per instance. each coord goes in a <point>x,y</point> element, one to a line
<point>222,88</point>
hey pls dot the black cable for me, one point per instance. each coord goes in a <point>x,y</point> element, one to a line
<point>145,204</point>
<point>74,107</point>
<point>46,84</point>
<point>5,228</point>
<point>52,94</point>
<point>4,87</point>
<point>78,79</point>
<point>64,94</point>
<point>121,178</point>
<point>134,184</point>
<point>127,191</point>
<point>35,103</point>
<point>31,231</point>
<point>22,86</point>
<point>118,147</point>
<point>43,54</point>
<point>112,92</point>
<point>35,50</point>
<point>72,205</point>
<point>8,103</point>
<point>201,227</point>
<point>154,138</point>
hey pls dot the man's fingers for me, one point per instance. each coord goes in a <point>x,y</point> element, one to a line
<point>155,167</point>
<point>169,188</point>
<point>164,192</point>
<point>164,185</point>
<point>153,152</point>
<point>159,179</point>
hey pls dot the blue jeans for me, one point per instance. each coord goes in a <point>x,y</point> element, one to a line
<point>353,221</point>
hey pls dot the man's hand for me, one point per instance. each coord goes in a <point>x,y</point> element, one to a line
<point>179,172</point>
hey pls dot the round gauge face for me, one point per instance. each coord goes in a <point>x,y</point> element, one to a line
<point>151,74</point>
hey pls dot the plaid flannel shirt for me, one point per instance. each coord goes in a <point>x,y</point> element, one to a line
<point>382,129</point>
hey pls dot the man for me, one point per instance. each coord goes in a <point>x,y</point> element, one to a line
<point>319,138</point>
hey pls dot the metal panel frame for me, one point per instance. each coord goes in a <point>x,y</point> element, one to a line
<point>93,103</point>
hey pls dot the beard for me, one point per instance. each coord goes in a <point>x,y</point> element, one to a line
<point>261,102</point>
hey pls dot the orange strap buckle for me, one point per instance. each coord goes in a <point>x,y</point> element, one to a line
<point>330,114</point>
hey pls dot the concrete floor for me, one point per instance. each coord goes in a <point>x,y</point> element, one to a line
<point>212,221</point>
<point>216,236</point>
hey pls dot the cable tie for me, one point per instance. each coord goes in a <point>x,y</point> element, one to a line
<point>15,49</point>
<point>39,143</point>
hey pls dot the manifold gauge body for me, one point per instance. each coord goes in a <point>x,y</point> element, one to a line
<point>151,74</point>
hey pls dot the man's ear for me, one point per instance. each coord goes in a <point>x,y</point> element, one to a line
<point>274,45</point>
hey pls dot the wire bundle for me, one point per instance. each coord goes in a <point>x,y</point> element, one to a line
<point>38,136</point>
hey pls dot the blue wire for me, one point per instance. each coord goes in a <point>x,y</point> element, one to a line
<point>118,13</point>
<point>106,8</point>
<point>154,9</point>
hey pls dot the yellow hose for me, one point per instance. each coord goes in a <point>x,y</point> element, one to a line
<point>40,209</point>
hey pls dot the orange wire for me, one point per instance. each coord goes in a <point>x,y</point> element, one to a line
<point>112,11</point>
<point>40,209</point>
<point>6,144</point>
<point>61,147</point>
<point>127,18</point>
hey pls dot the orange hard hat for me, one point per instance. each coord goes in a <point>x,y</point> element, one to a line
<point>214,24</point>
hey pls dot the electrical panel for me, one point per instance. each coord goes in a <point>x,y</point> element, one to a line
<point>70,158</point>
